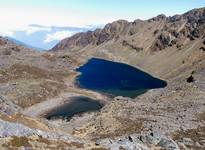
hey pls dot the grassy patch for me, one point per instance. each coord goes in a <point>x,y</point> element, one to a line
<point>38,92</point>
<point>60,144</point>
<point>32,84</point>
<point>35,142</point>
<point>196,135</point>
<point>49,57</point>
<point>19,71</point>
<point>20,141</point>
<point>201,116</point>
<point>126,126</point>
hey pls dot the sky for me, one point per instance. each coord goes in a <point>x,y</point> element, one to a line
<point>18,14</point>
<point>85,12</point>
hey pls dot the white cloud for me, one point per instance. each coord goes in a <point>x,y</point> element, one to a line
<point>32,29</point>
<point>18,18</point>
<point>10,31</point>
<point>58,36</point>
<point>7,33</point>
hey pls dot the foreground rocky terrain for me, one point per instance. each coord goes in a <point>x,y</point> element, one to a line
<point>171,48</point>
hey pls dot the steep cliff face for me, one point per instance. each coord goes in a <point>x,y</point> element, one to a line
<point>179,30</point>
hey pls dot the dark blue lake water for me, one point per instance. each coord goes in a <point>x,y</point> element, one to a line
<point>77,105</point>
<point>115,78</point>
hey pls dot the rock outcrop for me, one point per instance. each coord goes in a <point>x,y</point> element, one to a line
<point>134,142</point>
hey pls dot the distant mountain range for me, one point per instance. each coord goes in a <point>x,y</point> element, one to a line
<point>23,44</point>
<point>45,37</point>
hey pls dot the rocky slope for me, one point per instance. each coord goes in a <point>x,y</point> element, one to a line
<point>171,48</point>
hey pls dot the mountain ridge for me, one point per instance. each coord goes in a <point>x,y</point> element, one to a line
<point>120,29</point>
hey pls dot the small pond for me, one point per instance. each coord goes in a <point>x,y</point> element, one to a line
<point>77,105</point>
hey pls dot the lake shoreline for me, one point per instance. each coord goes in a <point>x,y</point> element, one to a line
<point>39,109</point>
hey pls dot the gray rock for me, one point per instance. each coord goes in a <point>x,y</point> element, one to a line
<point>136,144</point>
<point>202,142</point>
<point>14,129</point>
<point>122,142</point>
<point>182,145</point>
<point>8,129</point>
<point>168,144</point>
<point>188,141</point>
<point>152,139</point>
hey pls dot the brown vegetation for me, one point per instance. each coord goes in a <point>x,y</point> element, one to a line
<point>20,141</point>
